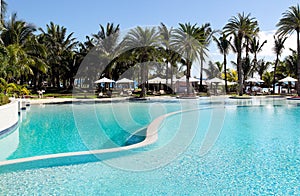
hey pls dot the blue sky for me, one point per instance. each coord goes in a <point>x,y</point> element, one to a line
<point>83,17</point>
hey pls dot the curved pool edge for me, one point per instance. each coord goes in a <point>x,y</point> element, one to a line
<point>9,117</point>
<point>71,158</point>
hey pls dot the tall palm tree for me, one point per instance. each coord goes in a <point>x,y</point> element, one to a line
<point>255,48</point>
<point>224,45</point>
<point>289,23</point>
<point>22,52</point>
<point>16,31</point>
<point>204,37</point>
<point>142,42</point>
<point>185,41</point>
<point>3,8</point>
<point>278,49</point>
<point>165,38</point>
<point>58,43</point>
<point>37,52</point>
<point>107,45</point>
<point>241,26</point>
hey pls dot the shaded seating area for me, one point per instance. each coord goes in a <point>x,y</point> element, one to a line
<point>104,87</point>
<point>124,87</point>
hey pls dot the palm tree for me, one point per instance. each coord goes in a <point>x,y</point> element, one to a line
<point>165,38</point>
<point>108,47</point>
<point>224,46</point>
<point>58,43</point>
<point>3,8</point>
<point>204,37</point>
<point>262,67</point>
<point>288,67</point>
<point>289,23</point>
<point>268,78</point>
<point>255,47</point>
<point>241,27</point>
<point>37,52</point>
<point>213,70</point>
<point>290,63</point>
<point>142,43</point>
<point>23,51</point>
<point>278,49</point>
<point>185,42</point>
<point>4,61</point>
<point>16,31</point>
<point>105,33</point>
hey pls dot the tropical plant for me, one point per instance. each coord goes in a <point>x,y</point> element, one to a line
<point>255,48</point>
<point>3,8</point>
<point>165,39</point>
<point>241,27</point>
<point>213,70</point>
<point>288,67</point>
<point>58,44</point>
<point>278,49</point>
<point>289,23</point>
<point>108,48</point>
<point>268,79</point>
<point>36,56</point>
<point>3,99</point>
<point>185,41</point>
<point>16,31</point>
<point>7,88</point>
<point>17,36</point>
<point>224,45</point>
<point>204,37</point>
<point>232,75</point>
<point>142,42</point>
<point>262,67</point>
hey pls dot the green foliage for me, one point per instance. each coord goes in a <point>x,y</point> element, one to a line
<point>12,89</point>
<point>3,99</point>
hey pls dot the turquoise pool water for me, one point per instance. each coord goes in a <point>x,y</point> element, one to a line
<point>256,153</point>
<point>60,128</point>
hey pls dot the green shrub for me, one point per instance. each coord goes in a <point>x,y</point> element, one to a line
<point>3,99</point>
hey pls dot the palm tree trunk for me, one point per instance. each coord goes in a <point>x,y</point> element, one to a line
<point>167,72</point>
<point>53,77</point>
<point>57,80</point>
<point>298,62</point>
<point>201,75</point>
<point>274,77</point>
<point>172,87</point>
<point>225,72</point>
<point>143,79</point>
<point>188,74</point>
<point>239,68</point>
<point>147,77</point>
<point>72,79</point>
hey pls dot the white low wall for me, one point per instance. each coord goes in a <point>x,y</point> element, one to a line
<point>9,115</point>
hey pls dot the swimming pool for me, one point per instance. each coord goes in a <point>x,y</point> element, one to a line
<point>256,152</point>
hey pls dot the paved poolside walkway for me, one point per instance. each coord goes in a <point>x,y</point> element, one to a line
<point>62,100</point>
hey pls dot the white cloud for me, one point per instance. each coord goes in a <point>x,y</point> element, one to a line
<point>267,50</point>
